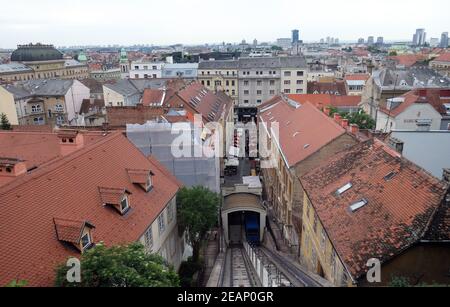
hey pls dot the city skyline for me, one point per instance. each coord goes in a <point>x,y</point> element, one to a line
<point>31,22</point>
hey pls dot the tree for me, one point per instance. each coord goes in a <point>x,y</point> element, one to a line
<point>276,48</point>
<point>197,214</point>
<point>4,122</point>
<point>393,53</point>
<point>360,118</point>
<point>17,284</point>
<point>120,266</point>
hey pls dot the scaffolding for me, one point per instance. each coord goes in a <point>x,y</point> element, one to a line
<point>157,139</point>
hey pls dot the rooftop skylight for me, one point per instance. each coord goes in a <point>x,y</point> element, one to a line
<point>344,189</point>
<point>358,205</point>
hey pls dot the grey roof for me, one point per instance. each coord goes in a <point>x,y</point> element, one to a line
<point>39,88</point>
<point>415,77</point>
<point>228,64</point>
<point>14,68</point>
<point>72,63</point>
<point>130,88</point>
<point>37,52</point>
<point>273,62</point>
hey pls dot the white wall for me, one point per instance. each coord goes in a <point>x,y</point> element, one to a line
<point>7,106</point>
<point>74,98</point>
<point>141,70</point>
<point>407,119</point>
<point>428,149</point>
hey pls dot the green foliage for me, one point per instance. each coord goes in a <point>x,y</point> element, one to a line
<point>399,282</point>
<point>360,118</point>
<point>393,53</point>
<point>17,284</point>
<point>277,48</point>
<point>4,122</point>
<point>197,213</point>
<point>120,266</point>
<point>187,271</point>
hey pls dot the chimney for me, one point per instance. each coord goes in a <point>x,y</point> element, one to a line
<point>337,118</point>
<point>396,144</point>
<point>344,123</point>
<point>320,106</point>
<point>70,141</point>
<point>354,129</point>
<point>10,167</point>
<point>327,111</point>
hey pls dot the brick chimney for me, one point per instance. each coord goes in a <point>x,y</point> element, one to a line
<point>12,167</point>
<point>70,141</point>
<point>354,129</point>
<point>344,123</point>
<point>327,111</point>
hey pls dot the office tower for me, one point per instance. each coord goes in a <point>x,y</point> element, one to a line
<point>419,39</point>
<point>370,40</point>
<point>295,36</point>
<point>444,40</point>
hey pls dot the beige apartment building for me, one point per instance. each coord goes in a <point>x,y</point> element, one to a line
<point>220,76</point>
<point>32,62</point>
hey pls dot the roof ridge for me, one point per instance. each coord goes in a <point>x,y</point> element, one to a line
<point>54,163</point>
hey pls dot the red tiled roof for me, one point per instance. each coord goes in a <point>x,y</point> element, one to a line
<point>408,60</point>
<point>210,105</point>
<point>327,100</point>
<point>397,212</point>
<point>67,188</point>
<point>303,130</point>
<point>435,97</point>
<point>138,176</point>
<point>357,77</point>
<point>69,230</point>
<point>36,148</point>
<point>152,96</point>
<point>332,88</point>
<point>445,57</point>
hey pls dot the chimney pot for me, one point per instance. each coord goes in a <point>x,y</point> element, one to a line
<point>344,123</point>
<point>354,129</point>
<point>337,118</point>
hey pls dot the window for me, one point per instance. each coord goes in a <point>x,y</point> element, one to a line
<point>36,108</point>
<point>208,83</point>
<point>233,83</point>
<point>259,101</point>
<point>155,68</point>
<point>245,83</point>
<point>246,92</point>
<point>287,82</point>
<point>259,92</point>
<point>146,67</point>
<point>272,92</point>
<point>170,213</point>
<point>60,120</point>
<point>245,101</point>
<point>59,108</point>
<point>38,121</point>
<point>272,82</point>
<point>227,83</point>
<point>124,205</point>
<point>287,74</point>
<point>299,91</point>
<point>358,205</point>
<point>149,183</point>
<point>287,91</point>
<point>344,189</point>
<point>300,73</point>
<point>148,237</point>
<point>86,241</point>
<point>161,224</point>
<point>299,82</point>
<point>259,83</point>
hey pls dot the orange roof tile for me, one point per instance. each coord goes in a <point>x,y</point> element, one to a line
<point>401,202</point>
<point>67,188</point>
<point>327,100</point>
<point>303,130</point>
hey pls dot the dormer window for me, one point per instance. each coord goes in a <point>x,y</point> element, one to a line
<point>124,205</point>
<point>77,233</point>
<point>144,178</point>
<point>86,241</point>
<point>116,198</point>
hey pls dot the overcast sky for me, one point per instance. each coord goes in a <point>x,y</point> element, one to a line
<point>84,22</point>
